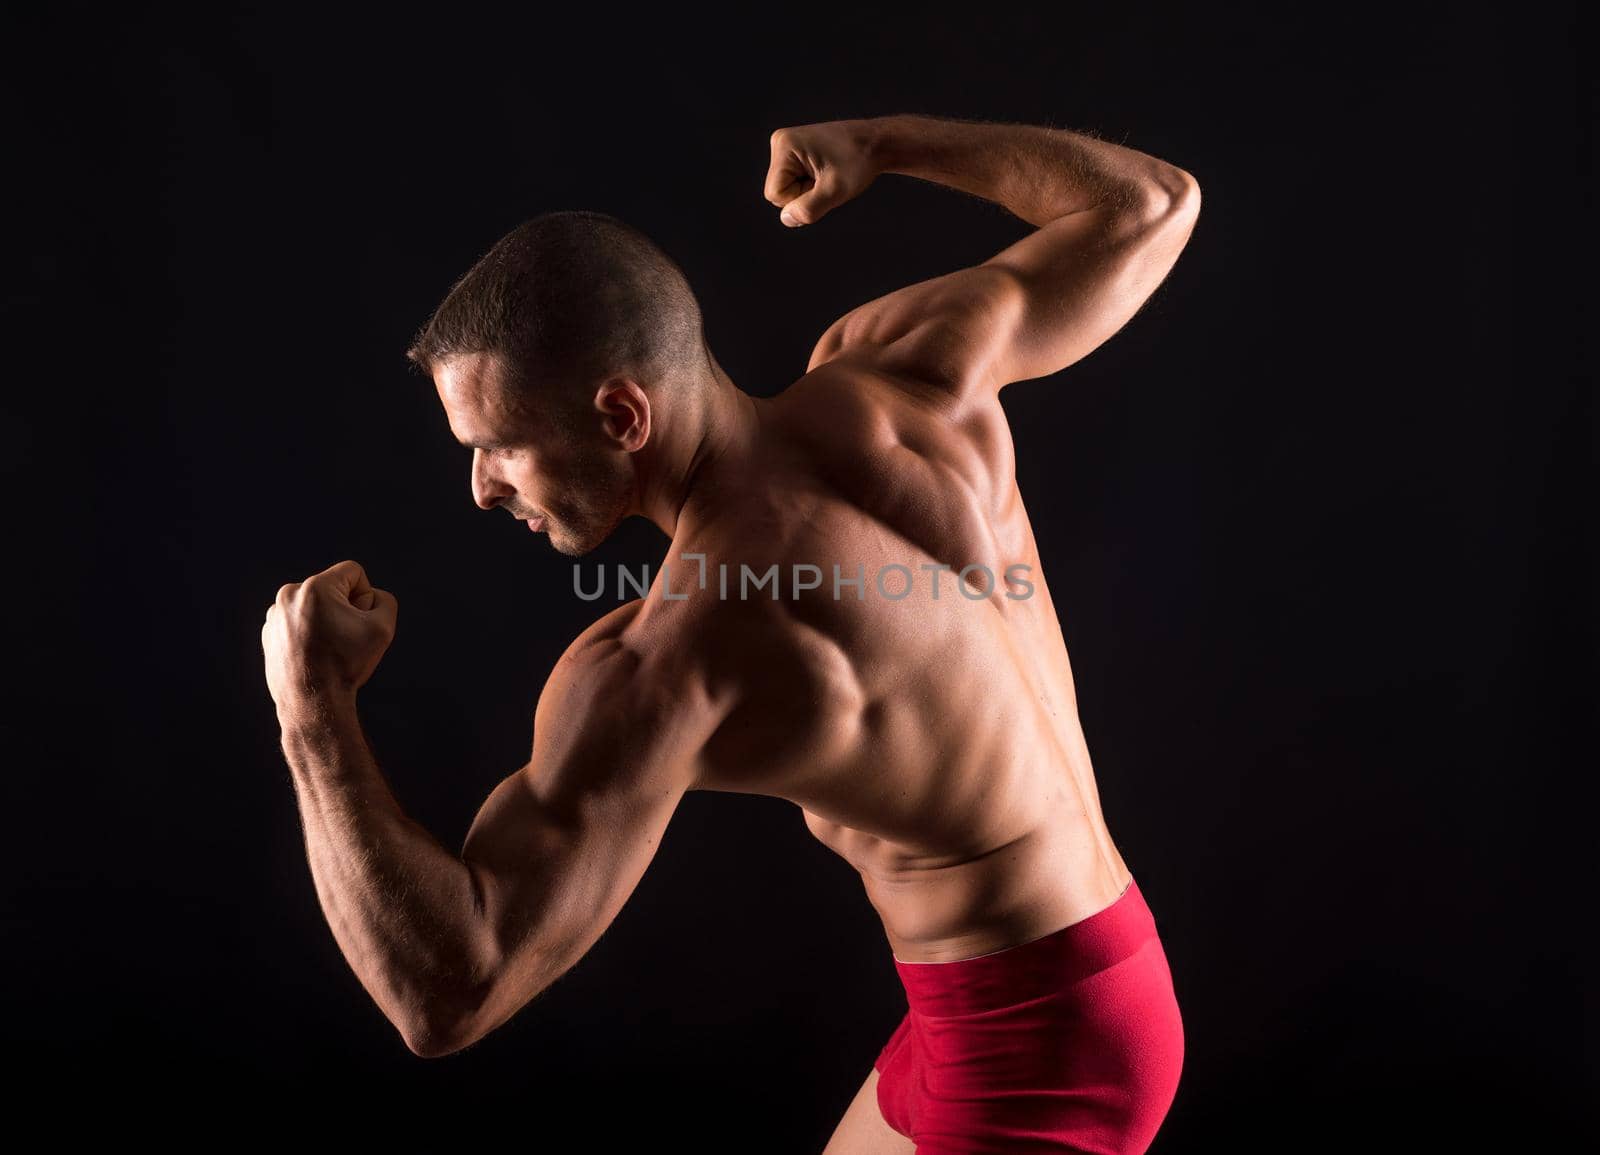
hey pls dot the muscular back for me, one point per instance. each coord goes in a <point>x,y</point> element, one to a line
<point>933,742</point>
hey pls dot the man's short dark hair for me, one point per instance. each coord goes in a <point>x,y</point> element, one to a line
<point>570,296</point>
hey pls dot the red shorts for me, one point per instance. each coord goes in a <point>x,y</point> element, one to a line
<point>1071,1042</point>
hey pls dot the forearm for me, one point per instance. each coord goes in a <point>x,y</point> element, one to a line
<point>402,908</point>
<point>1039,174</point>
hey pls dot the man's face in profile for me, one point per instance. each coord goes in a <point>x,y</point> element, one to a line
<point>541,462</point>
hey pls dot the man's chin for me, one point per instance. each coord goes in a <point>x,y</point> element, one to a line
<point>572,545</point>
<point>569,546</point>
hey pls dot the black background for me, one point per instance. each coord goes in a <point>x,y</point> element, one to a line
<point>1316,520</point>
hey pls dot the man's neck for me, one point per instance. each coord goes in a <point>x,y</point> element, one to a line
<point>723,428</point>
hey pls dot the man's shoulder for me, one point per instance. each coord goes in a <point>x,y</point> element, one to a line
<point>619,684</point>
<point>641,649</point>
<point>604,635</point>
<point>598,659</point>
<point>620,708</point>
<point>857,404</point>
<point>843,396</point>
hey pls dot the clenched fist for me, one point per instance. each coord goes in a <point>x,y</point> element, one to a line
<point>817,167</point>
<point>326,634</point>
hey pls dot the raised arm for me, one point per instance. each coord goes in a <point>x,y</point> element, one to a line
<point>1109,223</point>
<point>450,946</point>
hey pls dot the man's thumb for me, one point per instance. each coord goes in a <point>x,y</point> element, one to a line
<point>807,208</point>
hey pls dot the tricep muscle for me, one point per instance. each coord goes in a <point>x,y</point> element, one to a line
<point>1031,310</point>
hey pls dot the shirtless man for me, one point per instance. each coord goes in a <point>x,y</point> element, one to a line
<point>931,740</point>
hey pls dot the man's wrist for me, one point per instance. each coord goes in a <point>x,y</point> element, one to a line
<point>314,713</point>
<point>882,141</point>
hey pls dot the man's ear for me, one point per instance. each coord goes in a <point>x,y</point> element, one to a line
<point>626,409</point>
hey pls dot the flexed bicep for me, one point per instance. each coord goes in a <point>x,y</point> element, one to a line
<point>561,843</point>
<point>1031,310</point>
<point>1108,225</point>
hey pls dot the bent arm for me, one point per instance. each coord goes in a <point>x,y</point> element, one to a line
<point>1109,222</point>
<point>452,946</point>
<point>561,844</point>
<point>401,907</point>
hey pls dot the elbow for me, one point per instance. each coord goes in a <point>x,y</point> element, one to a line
<point>431,1043</point>
<point>1168,195</point>
<point>432,1036</point>
<point>444,1025</point>
<point>1186,200</point>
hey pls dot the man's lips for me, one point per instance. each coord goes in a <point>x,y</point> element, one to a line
<point>535,523</point>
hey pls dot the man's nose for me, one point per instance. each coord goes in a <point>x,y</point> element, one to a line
<point>488,491</point>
